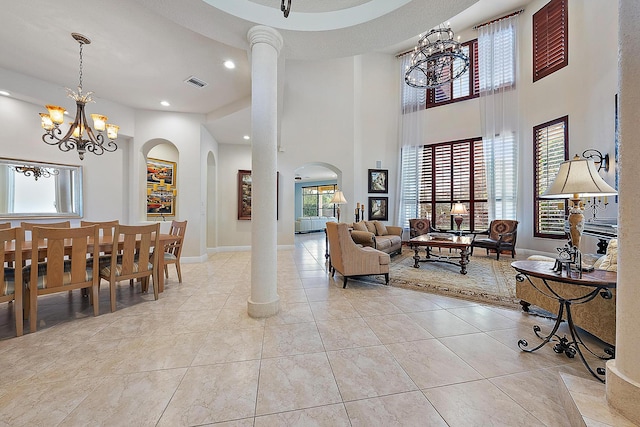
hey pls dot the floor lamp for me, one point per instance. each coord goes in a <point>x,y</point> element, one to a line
<point>575,179</point>
<point>338,199</point>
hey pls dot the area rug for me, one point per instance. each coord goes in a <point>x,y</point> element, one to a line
<point>487,280</point>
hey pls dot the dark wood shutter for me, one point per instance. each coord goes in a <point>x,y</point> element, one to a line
<point>550,39</point>
<point>551,143</point>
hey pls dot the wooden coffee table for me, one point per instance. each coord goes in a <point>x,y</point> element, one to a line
<point>442,240</point>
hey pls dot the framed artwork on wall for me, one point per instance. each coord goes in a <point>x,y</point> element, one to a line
<point>161,201</point>
<point>161,172</point>
<point>244,195</point>
<point>378,181</point>
<point>378,208</point>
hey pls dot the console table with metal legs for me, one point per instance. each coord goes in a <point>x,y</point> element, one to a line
<point>597,284</point>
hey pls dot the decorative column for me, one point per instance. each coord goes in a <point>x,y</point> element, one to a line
<point>623,373</point>
<point>265,47</point>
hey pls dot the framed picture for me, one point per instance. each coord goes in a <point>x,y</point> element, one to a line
<point>244,194</point>
<point>378,182</point>
<point>161,171</point>
<point>378,208</point>
<point>160,201</point>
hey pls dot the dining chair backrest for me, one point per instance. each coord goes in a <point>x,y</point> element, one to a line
<point>173,250</point>
<point>27,227</point>
<point>105,228</point>
<point>5,225</point>
<point>65,267</point>
<point>10,276</point>
<point>136,257</point>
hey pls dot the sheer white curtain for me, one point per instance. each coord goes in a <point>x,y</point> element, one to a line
<point>412,103</point>
<point>498,68</point>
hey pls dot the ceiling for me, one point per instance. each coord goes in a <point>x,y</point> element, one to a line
<point>142,51</point>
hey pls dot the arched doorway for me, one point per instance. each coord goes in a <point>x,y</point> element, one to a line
<point>314,183</point>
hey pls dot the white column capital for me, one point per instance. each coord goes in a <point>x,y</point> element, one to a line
<point>264,34</point>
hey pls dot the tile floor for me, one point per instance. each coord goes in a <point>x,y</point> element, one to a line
<point>368,355</point>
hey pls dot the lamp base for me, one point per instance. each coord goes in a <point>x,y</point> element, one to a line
<point>576,225</point>
<point>458,221</point>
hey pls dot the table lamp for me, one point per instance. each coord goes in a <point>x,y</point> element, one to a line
<point>338,199</point>
<point>577,178</point>
<point>458,210</point>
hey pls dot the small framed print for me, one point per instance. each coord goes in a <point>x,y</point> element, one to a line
<point>160,202</point>
<point>161,172</point>
<point>378,208</point>
<point>378,181</point>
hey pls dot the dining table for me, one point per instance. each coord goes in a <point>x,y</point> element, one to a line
<point>105,246</point>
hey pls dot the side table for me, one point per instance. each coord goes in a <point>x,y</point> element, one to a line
<point>599,283</point>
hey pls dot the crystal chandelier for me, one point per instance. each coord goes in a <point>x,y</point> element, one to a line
<point>436,60</point>
<point>80,135</point>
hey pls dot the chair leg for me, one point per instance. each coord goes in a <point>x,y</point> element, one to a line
<point>345,282</point>
<point>498,250</point>
<point>112,295</point>
<point>179,272</point>
<point>155,286</point>
<point>166,271</point>
<point>386,279</point>
<point>96,299</point>
<point>33,311</point>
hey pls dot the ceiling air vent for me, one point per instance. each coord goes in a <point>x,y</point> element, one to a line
<point>194,81</point>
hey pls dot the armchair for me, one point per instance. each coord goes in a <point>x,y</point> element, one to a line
<point>351,260</point>
<point>501,236</point>
<point>420,226</point>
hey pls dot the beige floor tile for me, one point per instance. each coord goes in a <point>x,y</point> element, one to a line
<point>296,382</point>
<point>334,309</point>
<point>368,372</point>
<point>478,403</point>
<point>482,318</point>
<point>213,393</point>
<point>394,328</point>
<point>291,313</point>
<point>441,323</point>
<point>346,333</point>
<point>232,318</point>
<point>289,340</point>
<point>121,397</point>
<point>329,415</point>
<point>430,364</point>
<point>230,345</point>
<point>490,357</point>
<point>376,306</point>
<point>402,409</point>
<point>413,303</point>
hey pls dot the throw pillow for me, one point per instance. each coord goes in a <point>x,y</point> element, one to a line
<point>381,229</point>
<point>371,227</point>
<point>359,226</point>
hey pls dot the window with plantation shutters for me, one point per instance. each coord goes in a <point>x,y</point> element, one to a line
<point>550,39</point>
<point>453,172</point>
<point>550,148</point>
<point>462,88</point>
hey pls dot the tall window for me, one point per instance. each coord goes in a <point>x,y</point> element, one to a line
<point>449,173</point>
<point>550,149</point>
<point>550,39</point>
<point>464,87</point>
<point>315,200</point>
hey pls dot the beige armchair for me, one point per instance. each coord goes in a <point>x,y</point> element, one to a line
<point>351,260</point>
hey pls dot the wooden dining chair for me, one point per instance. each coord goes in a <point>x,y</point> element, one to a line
<point>11,277</point>
<point>173,250</point>
<point>66,266</point>
<point>27,227</point>
<point>105,228</point>
<point>5,225</point>
<point>136,258</point>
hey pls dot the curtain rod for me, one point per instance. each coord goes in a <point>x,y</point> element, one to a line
<point>517,12</point>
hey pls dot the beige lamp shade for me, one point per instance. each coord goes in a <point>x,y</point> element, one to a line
<point>338,198</point>
<point>458,209</point>
<point>578,177</point>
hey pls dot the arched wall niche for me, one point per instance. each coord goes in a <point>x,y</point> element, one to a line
<point>162,149</point>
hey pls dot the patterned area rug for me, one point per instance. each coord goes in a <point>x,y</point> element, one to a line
<point>487,280</point>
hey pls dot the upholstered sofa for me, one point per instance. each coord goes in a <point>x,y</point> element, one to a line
<point>598,316</point>
<point>385,238</point>
<point>306,224</point>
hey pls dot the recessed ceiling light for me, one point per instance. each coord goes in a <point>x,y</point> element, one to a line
<point>246,137</point>
<point>165,103</point>
<point>229,64</point>
<point>4,93</point>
